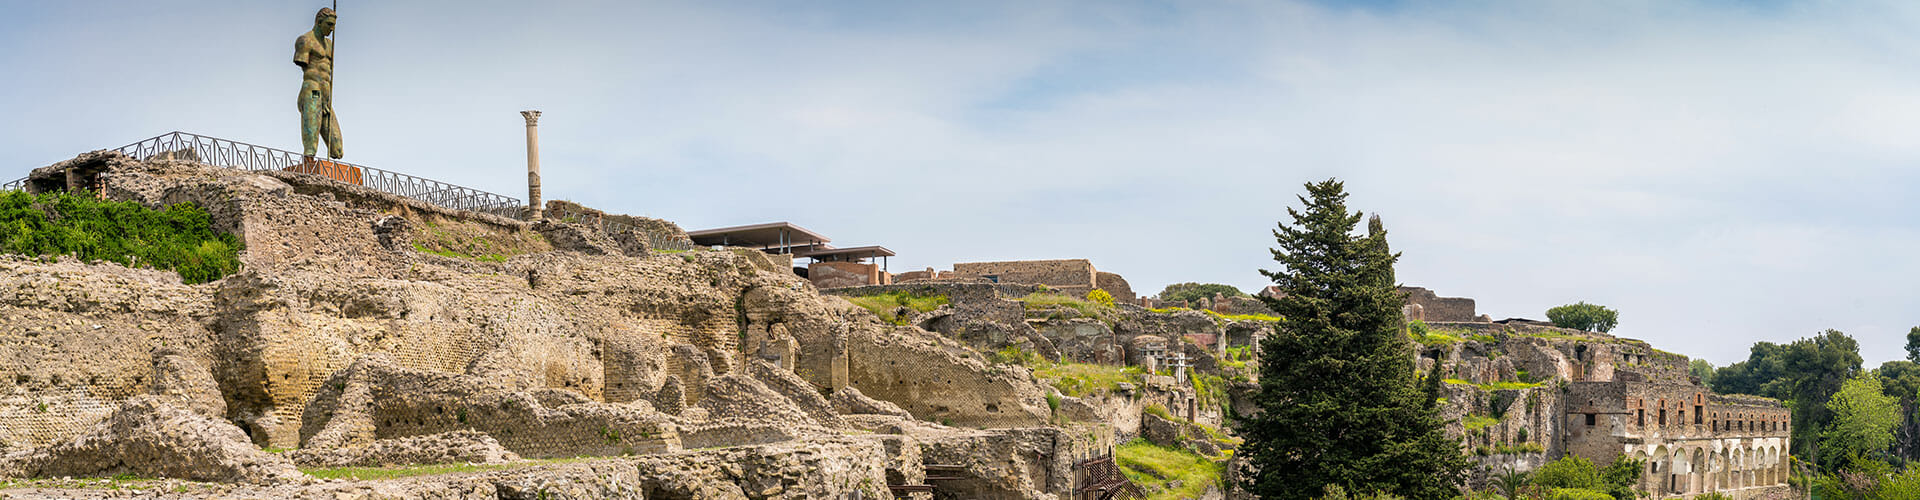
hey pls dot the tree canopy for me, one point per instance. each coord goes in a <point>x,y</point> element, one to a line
<point>1863,421</point>
<point>1188,292</point>
<point>1584,316</point>
<point>1340,401</point>
<point>1806,373</point>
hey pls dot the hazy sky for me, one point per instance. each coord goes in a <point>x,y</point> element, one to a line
<point>1720,172</point>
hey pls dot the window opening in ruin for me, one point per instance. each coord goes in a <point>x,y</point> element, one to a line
<point>1640,417</point>
<point>1590,420</point>
<point>1699,413</point>
<point>1663,417</point>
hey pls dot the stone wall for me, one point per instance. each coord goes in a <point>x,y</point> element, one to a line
<point>1423,304</point>
<point>1693,441</point>
<point>846,274</point>
<point>1075,276</point>
<point>1116,285</point>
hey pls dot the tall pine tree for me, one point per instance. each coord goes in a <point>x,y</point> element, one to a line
<point>1339,398</point>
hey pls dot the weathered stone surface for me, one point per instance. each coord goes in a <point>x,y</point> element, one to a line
<point>447,447</point>
<point>189,385</point>
<point>848,400</point>
<point>148,437</point>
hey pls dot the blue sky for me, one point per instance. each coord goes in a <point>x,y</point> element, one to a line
<point>1720,172</point>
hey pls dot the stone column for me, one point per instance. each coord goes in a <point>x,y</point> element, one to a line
<point>533,164</point>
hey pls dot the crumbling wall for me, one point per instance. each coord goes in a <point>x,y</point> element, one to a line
<point>938,380</point>
<point>79,338</point>
<point>1433,307</point>
<point>1115,285</point>
<point>844,274</point>
<point>1070,275</point>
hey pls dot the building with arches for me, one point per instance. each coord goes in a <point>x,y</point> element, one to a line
<point>1693,441</point>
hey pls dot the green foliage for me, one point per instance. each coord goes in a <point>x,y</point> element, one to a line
<point>1712,495</point>
<point>1571,471</point>
<point>1701,369</point>
<point>1043,300</point>
<point>1901,380</point>
<point>1805,373</point>
<point>1477,422</point>
<point>1014,355</point>
<point>180,238</point>
<point>1101,297</point>
<point>1913,344</point>
<point>1335,492</point>
<point>1189,292</point>
<point>1621,478</point>
<point>1053,402</point>
<point>1340,402</point>
<point>1083,379</point>
<point>1155,468</point>
<point>1863,420</point>
<point>885,305</point>
<point>1496,386</point>
<point>1510,482</point>
<point>1577,494</point>
<point>1584,316</point>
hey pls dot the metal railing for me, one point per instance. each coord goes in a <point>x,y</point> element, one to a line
<point>225,153</point>
<point>240,155</point>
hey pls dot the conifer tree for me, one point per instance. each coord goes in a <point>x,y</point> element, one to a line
<point>1339,397</point>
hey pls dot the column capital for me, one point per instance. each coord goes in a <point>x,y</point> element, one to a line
<point>533,117</point>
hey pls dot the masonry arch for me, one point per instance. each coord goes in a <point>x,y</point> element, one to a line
<point>1697,480</point>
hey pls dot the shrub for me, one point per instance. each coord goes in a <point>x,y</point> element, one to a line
<point>1571,472</point>
<point>1577,494</point>
<point>1187,292</point>
<point>1101,297</point>
<point>180,238</point>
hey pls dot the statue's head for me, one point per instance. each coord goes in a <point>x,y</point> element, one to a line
<point>323,21</point>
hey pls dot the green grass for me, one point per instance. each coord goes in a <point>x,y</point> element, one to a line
<point>1496,386</point>
<point>1153,468</point>
<point>1042,300</point>
<point>474,241</point>
<point>884,305</point>
<point>1477,422</point>
<point>1219,316</point>
<point>180,238</point>
<point>1084,379</point>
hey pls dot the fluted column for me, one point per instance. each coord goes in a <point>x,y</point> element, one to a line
<point>533,164</point>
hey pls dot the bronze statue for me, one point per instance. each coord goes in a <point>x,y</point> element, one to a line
<point>313,52</point>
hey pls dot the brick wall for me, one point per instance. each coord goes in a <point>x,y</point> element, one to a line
<point>1073,275</point>
<point>844,274</point>
<point>1437,308</point>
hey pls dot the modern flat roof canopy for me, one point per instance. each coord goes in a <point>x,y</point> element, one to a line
<point>768,235</point>
<point>829,253</point>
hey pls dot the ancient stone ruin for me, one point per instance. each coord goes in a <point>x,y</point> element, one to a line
<point>595,355</point>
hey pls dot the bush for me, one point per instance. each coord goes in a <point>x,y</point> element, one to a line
<point>180,238</point>
<point>1187,292</point>
<point>1571,472</point>
<point>1577,494</point>
<point>1101,297</point>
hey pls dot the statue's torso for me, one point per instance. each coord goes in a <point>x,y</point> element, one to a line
<point>317,52</point>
